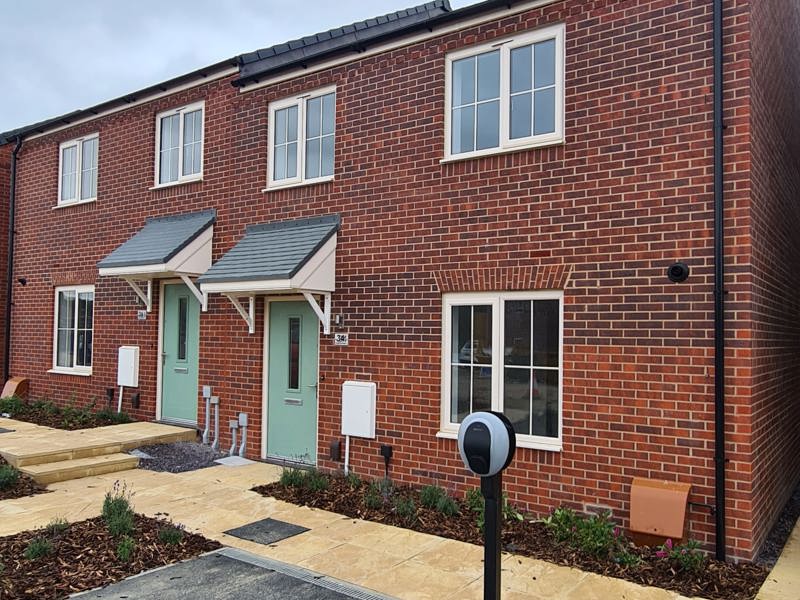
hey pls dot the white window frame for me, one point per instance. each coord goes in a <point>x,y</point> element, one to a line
<point>78,143</point>
<point>300,101</point>
<point>496,300</point>
<point>553,32</point>
<point>201,105</point>
<point>74,370</point>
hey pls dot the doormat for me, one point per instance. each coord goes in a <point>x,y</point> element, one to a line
<point>4,430</point>
<point>266,531</point>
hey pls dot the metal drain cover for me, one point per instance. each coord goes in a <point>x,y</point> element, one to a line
<point>266,531</point>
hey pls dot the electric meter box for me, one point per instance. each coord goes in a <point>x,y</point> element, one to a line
<point>358,408</point>
<point>128,366</point>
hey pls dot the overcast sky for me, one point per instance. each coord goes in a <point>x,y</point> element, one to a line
<point>57,56</point>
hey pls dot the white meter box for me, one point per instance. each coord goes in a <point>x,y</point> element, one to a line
<point>128,366</point>
<point>358,408</point>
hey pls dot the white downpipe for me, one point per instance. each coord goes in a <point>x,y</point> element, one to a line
<point>234,424</point>
<point>215,404</point>
<point>346,454</point>
<point>243,427</point>
<point>119,402</point>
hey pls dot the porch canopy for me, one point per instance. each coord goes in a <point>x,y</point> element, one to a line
<point>297,256</point>
<point>171,246</point>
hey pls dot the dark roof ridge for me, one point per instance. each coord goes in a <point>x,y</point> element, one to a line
<point>334,219</point>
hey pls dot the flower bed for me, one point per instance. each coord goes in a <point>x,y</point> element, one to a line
<point>62,558</point>
<point>589,543</point>
<point>45,412</point>
<point>14,484</point>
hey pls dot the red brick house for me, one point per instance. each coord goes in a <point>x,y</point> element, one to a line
<point>486,201</point>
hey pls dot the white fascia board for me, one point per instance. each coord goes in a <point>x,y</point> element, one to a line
<point>194,259</point>
<point>246,287</point>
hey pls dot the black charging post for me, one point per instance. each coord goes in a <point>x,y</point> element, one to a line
<point>486,442</point>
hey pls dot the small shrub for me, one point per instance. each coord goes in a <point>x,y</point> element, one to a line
<point>447,506</point>
<point>510,512</point>
<point>315,481</point>
<point>114,418</point>
<point>627,558</point>
<point>77,418</point>
<point>56,526</point>
<point>291,477</point>
<point>8,477</point>
<point>372,497</point>
<point>595,535</point>
<point>125,548</point>
<point>562,522</point>
<point>170,535</point>
<point>12,405</point>
<point>474,500</point>
<point>431,495</point>
<point>353,480</point>
<point>405,509</point>
<point>687,557</point>
<point>37,548</point>
<point>118,511</point>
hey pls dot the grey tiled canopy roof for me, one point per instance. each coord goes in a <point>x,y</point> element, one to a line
<point>343,38</point>
<point>273,250</point>
<point>160,239</point>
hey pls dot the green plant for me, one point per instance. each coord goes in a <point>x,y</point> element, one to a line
<point>595,535</point>
<point>431,495</point>
<point>110,416</point>
<point>353,480</point>
<point>447,506</point>
<point>688,556</point>
<point>315,481</point>
<point>405,509</point>
<point>77,418</point>
<point>37,548</point>
<point>627,558</point>
<point>118,511</point>
<point>12,405</point>
<point>292,477</point>
<point>510,512</point>
<point>170,535</point>
<point>125,548</point>
<point>56,526</point>
<point>474,500</point>
<point>372,497</point>
<point>8,477</point>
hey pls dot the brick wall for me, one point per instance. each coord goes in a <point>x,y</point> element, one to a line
<point>629,193</point>
<point>775,214</point>
<point>5,190</point>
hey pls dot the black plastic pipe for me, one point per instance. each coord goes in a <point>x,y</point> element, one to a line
<point>719,293</point>
<point>12,206</point>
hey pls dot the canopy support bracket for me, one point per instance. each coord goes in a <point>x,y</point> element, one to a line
<point>324,315</point>
<point>249,315</point>
<point>195,291</point>
<point>147,298</point>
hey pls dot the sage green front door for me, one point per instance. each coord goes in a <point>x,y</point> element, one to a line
<point>179,354</point>
<point>293,352</point>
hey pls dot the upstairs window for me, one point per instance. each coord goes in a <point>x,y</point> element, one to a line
<point>74,324</point>
<point>179,144</point>
<point>77,171</point>
<point>506,95</point>
<point>301,140</point>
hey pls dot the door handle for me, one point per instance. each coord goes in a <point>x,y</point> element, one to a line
<point>312,385</point>
<point>163,358</point>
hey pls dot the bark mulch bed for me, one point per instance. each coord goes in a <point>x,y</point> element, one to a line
<point>70,417</point>
<point>527,537</point>
<point>84,557</point>
<point>24,486</point>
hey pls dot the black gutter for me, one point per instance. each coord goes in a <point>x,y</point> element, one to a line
<point>12,206</point>
<point>719,293</point>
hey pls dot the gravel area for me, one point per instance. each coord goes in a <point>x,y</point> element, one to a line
<point>176,457</point>
<point>776,539</point>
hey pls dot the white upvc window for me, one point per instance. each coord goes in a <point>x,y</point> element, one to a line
<point>505,95</point>
<point>77,170</point>
<point>179,144</point>
<point>73,328</point>
<point>302,132</point>
<point>502,351</point>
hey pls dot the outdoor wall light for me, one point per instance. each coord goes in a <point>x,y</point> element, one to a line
<point>678,272</point>
<point>22,281</point>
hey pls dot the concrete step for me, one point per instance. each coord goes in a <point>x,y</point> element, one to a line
<point>44,457</point>
<point>51,472</point>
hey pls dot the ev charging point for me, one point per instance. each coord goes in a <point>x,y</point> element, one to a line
<point>486,442</point>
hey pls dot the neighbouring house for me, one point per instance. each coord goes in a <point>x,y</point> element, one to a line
<point>474,208</point>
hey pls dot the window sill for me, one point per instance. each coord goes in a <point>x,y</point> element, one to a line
<point>522,442</point>
<point>71,204</point>
<point>274,187</point>
<point>559,141</point>
<point>61,371</point>
<point>161,186</point>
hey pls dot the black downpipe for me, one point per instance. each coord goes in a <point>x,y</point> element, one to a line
<point>12,206</point>
<point>719,292</point>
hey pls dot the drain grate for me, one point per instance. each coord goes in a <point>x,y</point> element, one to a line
<point>266,531</point>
